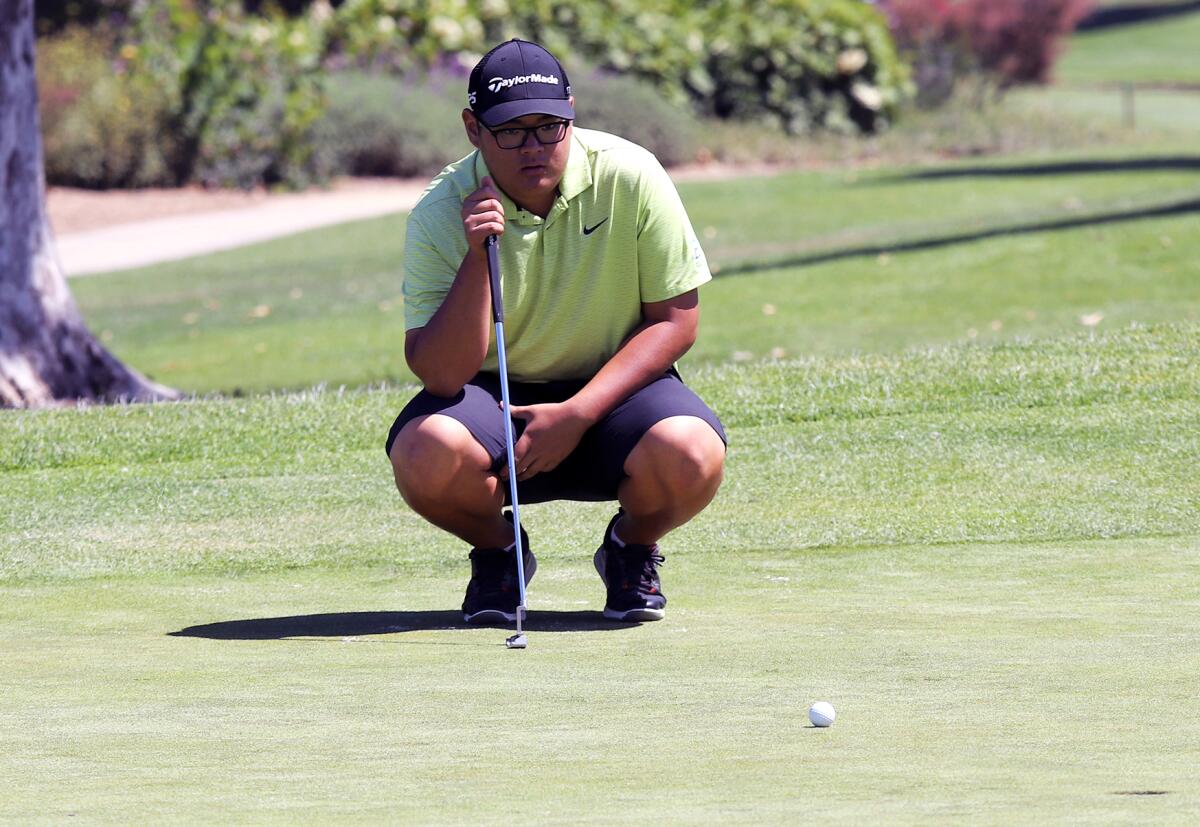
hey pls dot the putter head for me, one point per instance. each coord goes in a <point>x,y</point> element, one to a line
<point>516,642</point>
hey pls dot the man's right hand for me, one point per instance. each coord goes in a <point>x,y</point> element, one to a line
<point>482,215</point>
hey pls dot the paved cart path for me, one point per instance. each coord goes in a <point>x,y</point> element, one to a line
<point>227,223</point>
<point>101,232</point>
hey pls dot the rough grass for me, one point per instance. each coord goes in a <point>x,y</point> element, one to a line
<point>1078,438</point>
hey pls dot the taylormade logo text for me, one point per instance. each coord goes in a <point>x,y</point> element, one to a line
<point>496,84</point>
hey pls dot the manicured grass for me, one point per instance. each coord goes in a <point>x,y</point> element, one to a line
<point>1159,51</point>
<point>982,555</point>
<point>325,306</point>
<point>1027,284</point>
<point>961,505</point>
<point>1156,59</point>
<point>1159,116</point>
<point>989,683</point>
<point>831,451</point>
<point>318,306</point>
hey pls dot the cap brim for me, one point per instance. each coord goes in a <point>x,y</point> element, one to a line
<point>504,112</point>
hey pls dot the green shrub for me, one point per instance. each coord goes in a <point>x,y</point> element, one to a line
<point>380,124</point>
<point>100,123</point>
<point>414,35</point>
<point>805,64</point>
<point>197,94</point>
<point>205,92</point>
<point>662,42</point>
<point>637,112</point>
<point>244,92</point>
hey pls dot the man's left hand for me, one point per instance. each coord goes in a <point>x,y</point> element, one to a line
<point>551,433</point>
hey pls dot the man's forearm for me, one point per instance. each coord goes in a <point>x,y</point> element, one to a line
<point>642,358</point>
<point>449,350</point>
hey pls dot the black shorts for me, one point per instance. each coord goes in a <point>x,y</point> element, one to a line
<point>592,472</point>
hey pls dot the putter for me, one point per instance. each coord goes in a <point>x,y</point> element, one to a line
<point>492,244</point>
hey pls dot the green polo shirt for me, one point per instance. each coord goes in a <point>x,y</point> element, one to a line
<point>574,281</point>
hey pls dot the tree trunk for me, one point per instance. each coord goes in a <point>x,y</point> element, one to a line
<point>47,354</point>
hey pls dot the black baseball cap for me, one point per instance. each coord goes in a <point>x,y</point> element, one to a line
<point>518,78</point>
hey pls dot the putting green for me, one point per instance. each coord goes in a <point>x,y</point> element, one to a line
<point>982,683</point>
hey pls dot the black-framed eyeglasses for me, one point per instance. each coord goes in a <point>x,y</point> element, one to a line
<point>515,137</point>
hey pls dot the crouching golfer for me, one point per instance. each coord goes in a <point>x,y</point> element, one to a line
<point>600,274</point>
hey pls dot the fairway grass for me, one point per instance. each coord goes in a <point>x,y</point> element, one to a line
<point>1160,51</point>
<point>828,262</point>
<point>1161,116</point>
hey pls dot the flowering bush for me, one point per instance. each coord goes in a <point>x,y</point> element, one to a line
<point>804,64</point>
<point>101,126</point>
<point>1009,41</point>
<point>243,92</point>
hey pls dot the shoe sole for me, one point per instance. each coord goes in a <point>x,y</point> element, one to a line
<point>499,615</point>
<point>640,615</point>
<point>634,615</point>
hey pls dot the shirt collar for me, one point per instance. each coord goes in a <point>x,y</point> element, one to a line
<point>577,177</point>
<point>481,170</point>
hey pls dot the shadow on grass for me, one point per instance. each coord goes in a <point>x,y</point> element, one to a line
<point>914,245</point>
<point>1128,13</point>
<point>1168,162</point>
<point>355,624</point>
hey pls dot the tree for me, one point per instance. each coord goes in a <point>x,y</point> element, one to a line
<point>47,354</point>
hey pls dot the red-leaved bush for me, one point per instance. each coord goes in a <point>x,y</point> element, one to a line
<point>1012,41</point>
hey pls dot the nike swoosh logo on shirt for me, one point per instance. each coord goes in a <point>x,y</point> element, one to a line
<point>589,230</point>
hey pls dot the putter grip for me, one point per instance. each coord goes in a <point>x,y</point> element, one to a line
<point>492,245</point>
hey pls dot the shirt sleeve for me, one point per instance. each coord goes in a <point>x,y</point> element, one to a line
<point>429,272</point>
<point>670,259</point>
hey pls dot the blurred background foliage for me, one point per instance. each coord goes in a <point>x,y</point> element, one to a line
<point>171,92</point>
<point>250,93</point>
<point>1002,44</point>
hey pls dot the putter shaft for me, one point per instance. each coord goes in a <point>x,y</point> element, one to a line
<point>493,259</point>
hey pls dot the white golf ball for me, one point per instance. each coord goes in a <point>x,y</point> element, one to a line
<point>821,714</point>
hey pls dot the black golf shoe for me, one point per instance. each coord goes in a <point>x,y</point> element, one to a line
<point>492,594</point>
<point>631,576</point>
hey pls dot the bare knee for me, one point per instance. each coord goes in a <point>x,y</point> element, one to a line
<point>683,453</point>
<point>429,457</point>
